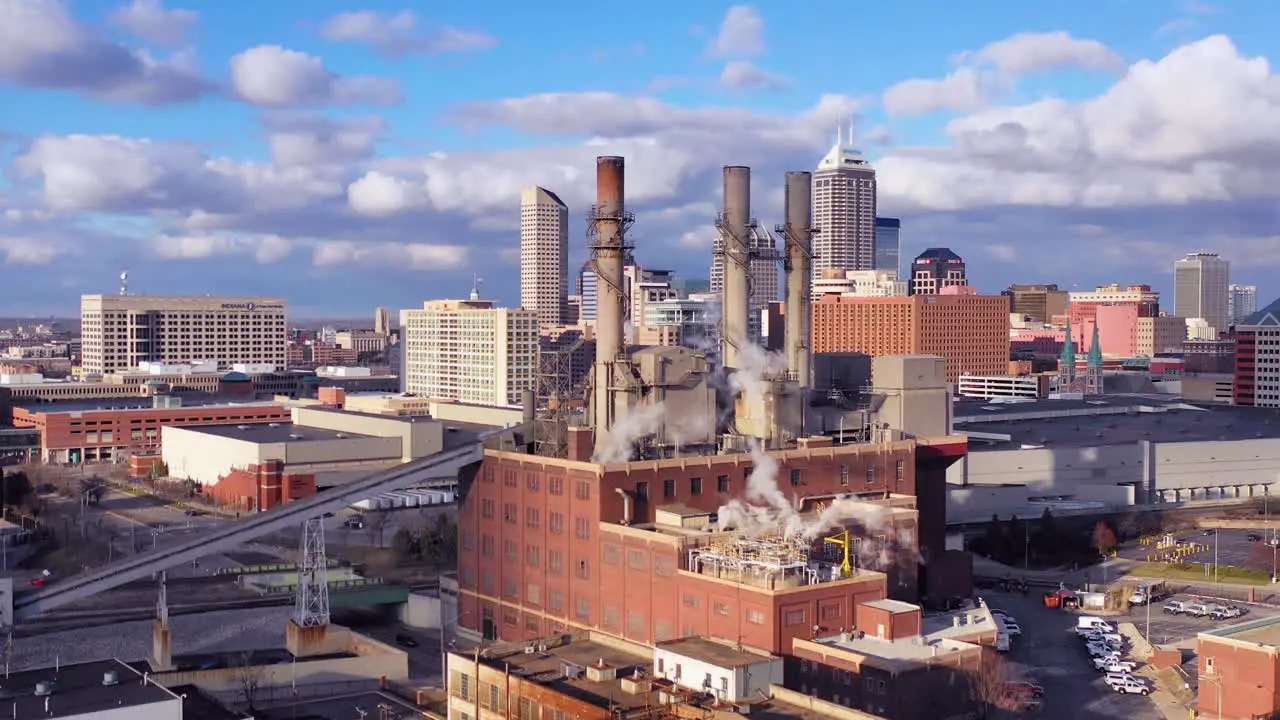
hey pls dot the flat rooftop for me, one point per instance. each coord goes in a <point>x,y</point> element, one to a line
<point>720,653</point>
<point>281,432</point>
<point>135,403</point>
<point>78,691</point>
<point>893,606</point>
<point>1265,631</point>
<point>1109,420</point>
<point>904,651</point>
<point>548,669</point>
<point>957,624</point>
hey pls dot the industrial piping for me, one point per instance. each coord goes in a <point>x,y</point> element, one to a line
<point>735,229</point>
<point>798,235</point>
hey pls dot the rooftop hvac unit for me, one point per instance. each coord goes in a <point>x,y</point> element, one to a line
<point>44,689</point>
<point>110,677</point>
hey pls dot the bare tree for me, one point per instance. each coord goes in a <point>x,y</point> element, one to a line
<point>987,682</point>
<point>248,678</point>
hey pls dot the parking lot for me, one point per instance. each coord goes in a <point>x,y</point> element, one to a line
<point>1167,628</point>
<point>1233,549</point>
<point>1050,654</point>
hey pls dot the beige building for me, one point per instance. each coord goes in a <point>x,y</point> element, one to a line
<point>362,341</point>
<point>860,283</point>
<point>544,256</point>
<point>469,351</point>
<point>118,332</point>
<point>1160,334</point>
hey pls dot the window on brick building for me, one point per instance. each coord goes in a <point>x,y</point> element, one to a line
<point>582,528</point>
<point>532,518</point>
<point>668,488</point>
<point>532,556</point>
<point>898,470</point>
<point>722,609</point>
<point>555,486</point>
<point>486,581</point>
<point>844,473</point>
<point>486,545</point>
<point>871,474</point>
<point>722,484</point>
<point>695,486</point>
<point>582,611</point>
<point>509,513</point>
<point>793,618</point>
<point>797,477</point>
<point>583,490</point>
<point>584,569</point>
<point>555,601</point>
<point>510,589</point>
<point>664,566</point>
<point>555,562</point>
<point>642,490</point>
<point>486,509</point>
<point>531,482</point>
<point>509,549</point>
<point>555,521</point>
<point>509,478</point>
<point>635,624</point>
<point>533,594</point>
<point>755,617</point>
<point>636,560</point>
<point>610,553</point>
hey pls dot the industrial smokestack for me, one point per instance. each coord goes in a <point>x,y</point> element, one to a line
<point>798,235</point>
<point>608,223</point>
<point>735,229</point>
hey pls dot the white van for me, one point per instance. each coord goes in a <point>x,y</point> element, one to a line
<point>1089,623</point>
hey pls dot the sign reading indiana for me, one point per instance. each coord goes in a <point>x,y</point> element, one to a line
<point>250,306</point>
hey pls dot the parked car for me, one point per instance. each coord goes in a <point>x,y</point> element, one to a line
<point>1018,688</point>
<point>1115,665</point>
<point>1112,679</point>
<point>1099,649</point>
<point>1208,532</point>
<point>1108,639</point>
<point>1253,537</point>
<point>1225,612</point>
<point>1175,607</point>
<point>1089,623</point>
<point>1196,609</point>
<point>1132,687</point>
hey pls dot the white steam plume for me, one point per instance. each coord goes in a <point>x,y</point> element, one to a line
<point>758,366</point>
<point>619,444</point>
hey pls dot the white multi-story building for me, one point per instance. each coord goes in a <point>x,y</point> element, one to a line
<point>763,275</point>
<point>860,283</point>
<point>544,255</point>
<point>1112,294</point>
<point>469,351</point>
<point>844,207</point>
<point>1002,386</point>
<point>1242,301</point>
<point>1201,283</point>
<point>118,332</point>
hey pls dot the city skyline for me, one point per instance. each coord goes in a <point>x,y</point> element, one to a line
<point>323,147</point>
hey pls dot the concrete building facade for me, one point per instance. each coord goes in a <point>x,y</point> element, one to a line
<point>1038,303</point>
<point>860,283</point>
<point>1242,301</point>
<point>470,351</point>
<point>844,206</point>
<point>544,256</point>
<point>120,331</point>
<point>970,331</point>
<point>1084,305</point>
<point>1257,358</point>
<point>1201,287</point>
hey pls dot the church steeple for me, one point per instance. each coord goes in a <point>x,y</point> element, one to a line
<point>1068,357</point>
<point>1095,350</point>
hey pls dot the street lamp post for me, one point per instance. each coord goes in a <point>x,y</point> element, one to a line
<point>1215,555</point>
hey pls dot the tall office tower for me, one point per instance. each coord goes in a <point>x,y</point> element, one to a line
<point>1242,301</point>
<point>763,274</point>
<point>119,331</point>
<point>589,292</point>
<point>1201,283</point>
<point>544,256</point>
<point>889,244</point>
<point>469,351</point>
<point>1040,303</point>
<point>934,269</point>
<point>844,210</point>
<point>381,321</point>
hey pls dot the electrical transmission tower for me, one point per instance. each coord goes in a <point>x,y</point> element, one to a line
<point>555,396</point>
<point>313,577</point>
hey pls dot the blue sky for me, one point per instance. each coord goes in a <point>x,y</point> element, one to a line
<point>355,155</point>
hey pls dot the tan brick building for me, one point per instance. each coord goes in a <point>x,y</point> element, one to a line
<point>970,331</point>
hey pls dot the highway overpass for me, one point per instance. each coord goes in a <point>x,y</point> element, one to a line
<point>462,449</point>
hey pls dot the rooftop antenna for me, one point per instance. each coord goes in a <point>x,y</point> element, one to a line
<point>124,282</point>
<point>475,286</point>
<point>839,134</point>
<point>850,128</point>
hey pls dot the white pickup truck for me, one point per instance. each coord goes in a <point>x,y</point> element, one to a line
<point>1225,612</point>
<point>1113,679</point>
<point>1114,665</point>
<point>1132,687</point>
<point>1196,610</point>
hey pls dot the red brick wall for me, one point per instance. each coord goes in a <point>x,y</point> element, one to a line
<point>65,430</point>
<point>1244,678</point>
<point>262,487</point>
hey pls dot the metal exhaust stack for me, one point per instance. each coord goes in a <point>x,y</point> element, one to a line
<point>735,230</point>
<point>797,233</point>
<point>607,225</point>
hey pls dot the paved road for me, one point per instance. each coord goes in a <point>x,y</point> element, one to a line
<point>1049,653</point>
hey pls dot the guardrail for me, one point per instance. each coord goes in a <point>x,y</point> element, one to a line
<point>266,568</point>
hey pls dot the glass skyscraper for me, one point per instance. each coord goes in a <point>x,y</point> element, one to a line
<point>888,244</point>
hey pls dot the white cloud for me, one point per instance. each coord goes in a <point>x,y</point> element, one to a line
<point>962,90</point>
<point>1002,253</point>
<point>273,76</point>
<point>380,195</point>
<point>43,46</point>
<point>985,73</point>
<point>1141,143</point>
<point>263,248</point>
<point>151,21</point>
<point>399,34</point>
<point>30,251</point>
<point>746,75</point>
<point>1030,53</point>
<point>405,256</point>
<point>319,140</point>
<point>741,33</point>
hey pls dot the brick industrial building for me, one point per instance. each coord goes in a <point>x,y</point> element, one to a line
<point>970,331</point>
<point>1239,671</point>
<point>550,544</point>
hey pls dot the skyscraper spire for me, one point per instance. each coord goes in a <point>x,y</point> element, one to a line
<point>1068,357</point>
<point>1095,350</point>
